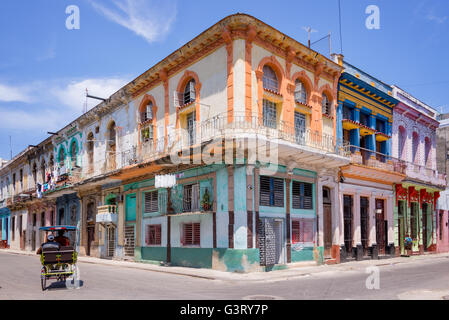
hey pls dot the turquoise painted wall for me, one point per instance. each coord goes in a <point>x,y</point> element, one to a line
<point>130,212</point>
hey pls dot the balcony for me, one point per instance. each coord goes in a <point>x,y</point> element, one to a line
<point>374,166</point>
<point>425,174</point>
<point>290,144</point>
<point>107,214</point>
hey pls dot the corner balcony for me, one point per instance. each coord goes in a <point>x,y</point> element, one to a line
<point>291,144</point>
<point>107,214</point>
<point>425,175</point>
<point>374,166</point>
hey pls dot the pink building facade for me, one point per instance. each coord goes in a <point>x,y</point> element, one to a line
<point>416,197</point>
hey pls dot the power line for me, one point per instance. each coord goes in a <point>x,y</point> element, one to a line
<point>339,15</point>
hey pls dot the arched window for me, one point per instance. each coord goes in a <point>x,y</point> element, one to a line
<point>35,172</point>
<point>402,139</point>
<point>147,114</point>
<point>427,151</point>
<point>111,134</point>
<point>415,144</point>
<point>300,92</point>
<point>111,146</point>
<point>52,162</point>
<point>73,153</point>
<point>326,105</point>
<point>270,79</point>
<point>61,157</point>
<point>90,149</point>
<point>43,171</point>
<point>189,92</point>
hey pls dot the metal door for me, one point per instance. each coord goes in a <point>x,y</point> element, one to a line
<point>278,242</point>
<point>380,226</point>
<point>327,214</point>
<point>129,240</point>
<point>110,244</point>
<point>347,204</point>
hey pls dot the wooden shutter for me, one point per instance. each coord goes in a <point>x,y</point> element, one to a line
<point>308,196</point>
<point>151,202</point>
<point>296,195</point>
<point>278,192</point>
<point>196,233</point>
<point>264,191</point>
<point>295,231</point>
<point>188,234</point>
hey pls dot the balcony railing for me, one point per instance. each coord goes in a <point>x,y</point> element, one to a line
<point>242,126</point>
<point>107,214</point>
<point>375,159</point>
<point>423,173</point>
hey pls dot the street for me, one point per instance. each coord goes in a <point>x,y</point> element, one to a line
<point>414,279</point>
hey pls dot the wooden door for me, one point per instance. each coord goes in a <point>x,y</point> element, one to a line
<point>90,237</point>
<point>347,208</point>
<point>327,215</point>
<point>364,223</point>
<point>380,226</point>
<point>424,225</point>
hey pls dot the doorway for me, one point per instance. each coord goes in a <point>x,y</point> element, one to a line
<point>279,242</point>
<point>401,225</point>
<point>424,225</point>
<point>380,226</point>
<point>364,223</point>
<point>90,237</point>
<point>327,222</point>
<point>348,216</point>
<point>129,240</point>
<point>110,243</point>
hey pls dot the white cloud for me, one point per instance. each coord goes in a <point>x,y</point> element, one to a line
<point>149,19</point>
<point>55,103</point>
<point>439,20</point>
<point>11,93</point>
<point>73,94</point>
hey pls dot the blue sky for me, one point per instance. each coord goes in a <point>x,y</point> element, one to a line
<point>45,68</point>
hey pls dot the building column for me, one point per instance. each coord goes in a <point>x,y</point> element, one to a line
<point>390,219</point>
<point>372,240</point>
<point>357,232</point>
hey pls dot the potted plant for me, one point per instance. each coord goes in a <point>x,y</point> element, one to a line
<point>205,201</point>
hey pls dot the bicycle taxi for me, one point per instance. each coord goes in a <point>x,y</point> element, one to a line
<point>58,264</point>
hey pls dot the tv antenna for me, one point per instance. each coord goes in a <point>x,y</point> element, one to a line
<point>309,30</point>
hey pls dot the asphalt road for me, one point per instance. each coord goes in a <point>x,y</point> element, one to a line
<point>423,279</point>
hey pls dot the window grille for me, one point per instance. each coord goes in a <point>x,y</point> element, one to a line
<point>302,230</point>
<point>153,235</point>
<point>300,92</point>
<point>269,114</point>
<point>191,234</point>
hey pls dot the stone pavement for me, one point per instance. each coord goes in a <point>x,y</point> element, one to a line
<point>294,270</point>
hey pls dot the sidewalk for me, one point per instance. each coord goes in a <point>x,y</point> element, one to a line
<point>294,270</point>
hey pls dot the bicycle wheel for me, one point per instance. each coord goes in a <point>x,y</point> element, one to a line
<point>44,283</point>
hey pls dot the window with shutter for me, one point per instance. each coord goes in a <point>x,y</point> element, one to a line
<point>302,195</point>
<point>191,234</point>
<point>295,231</point>
<point>153,235</point>
<point>151,202</point>
<point>271,192</point>
<point>302,230</point>
<point>189,92</point>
